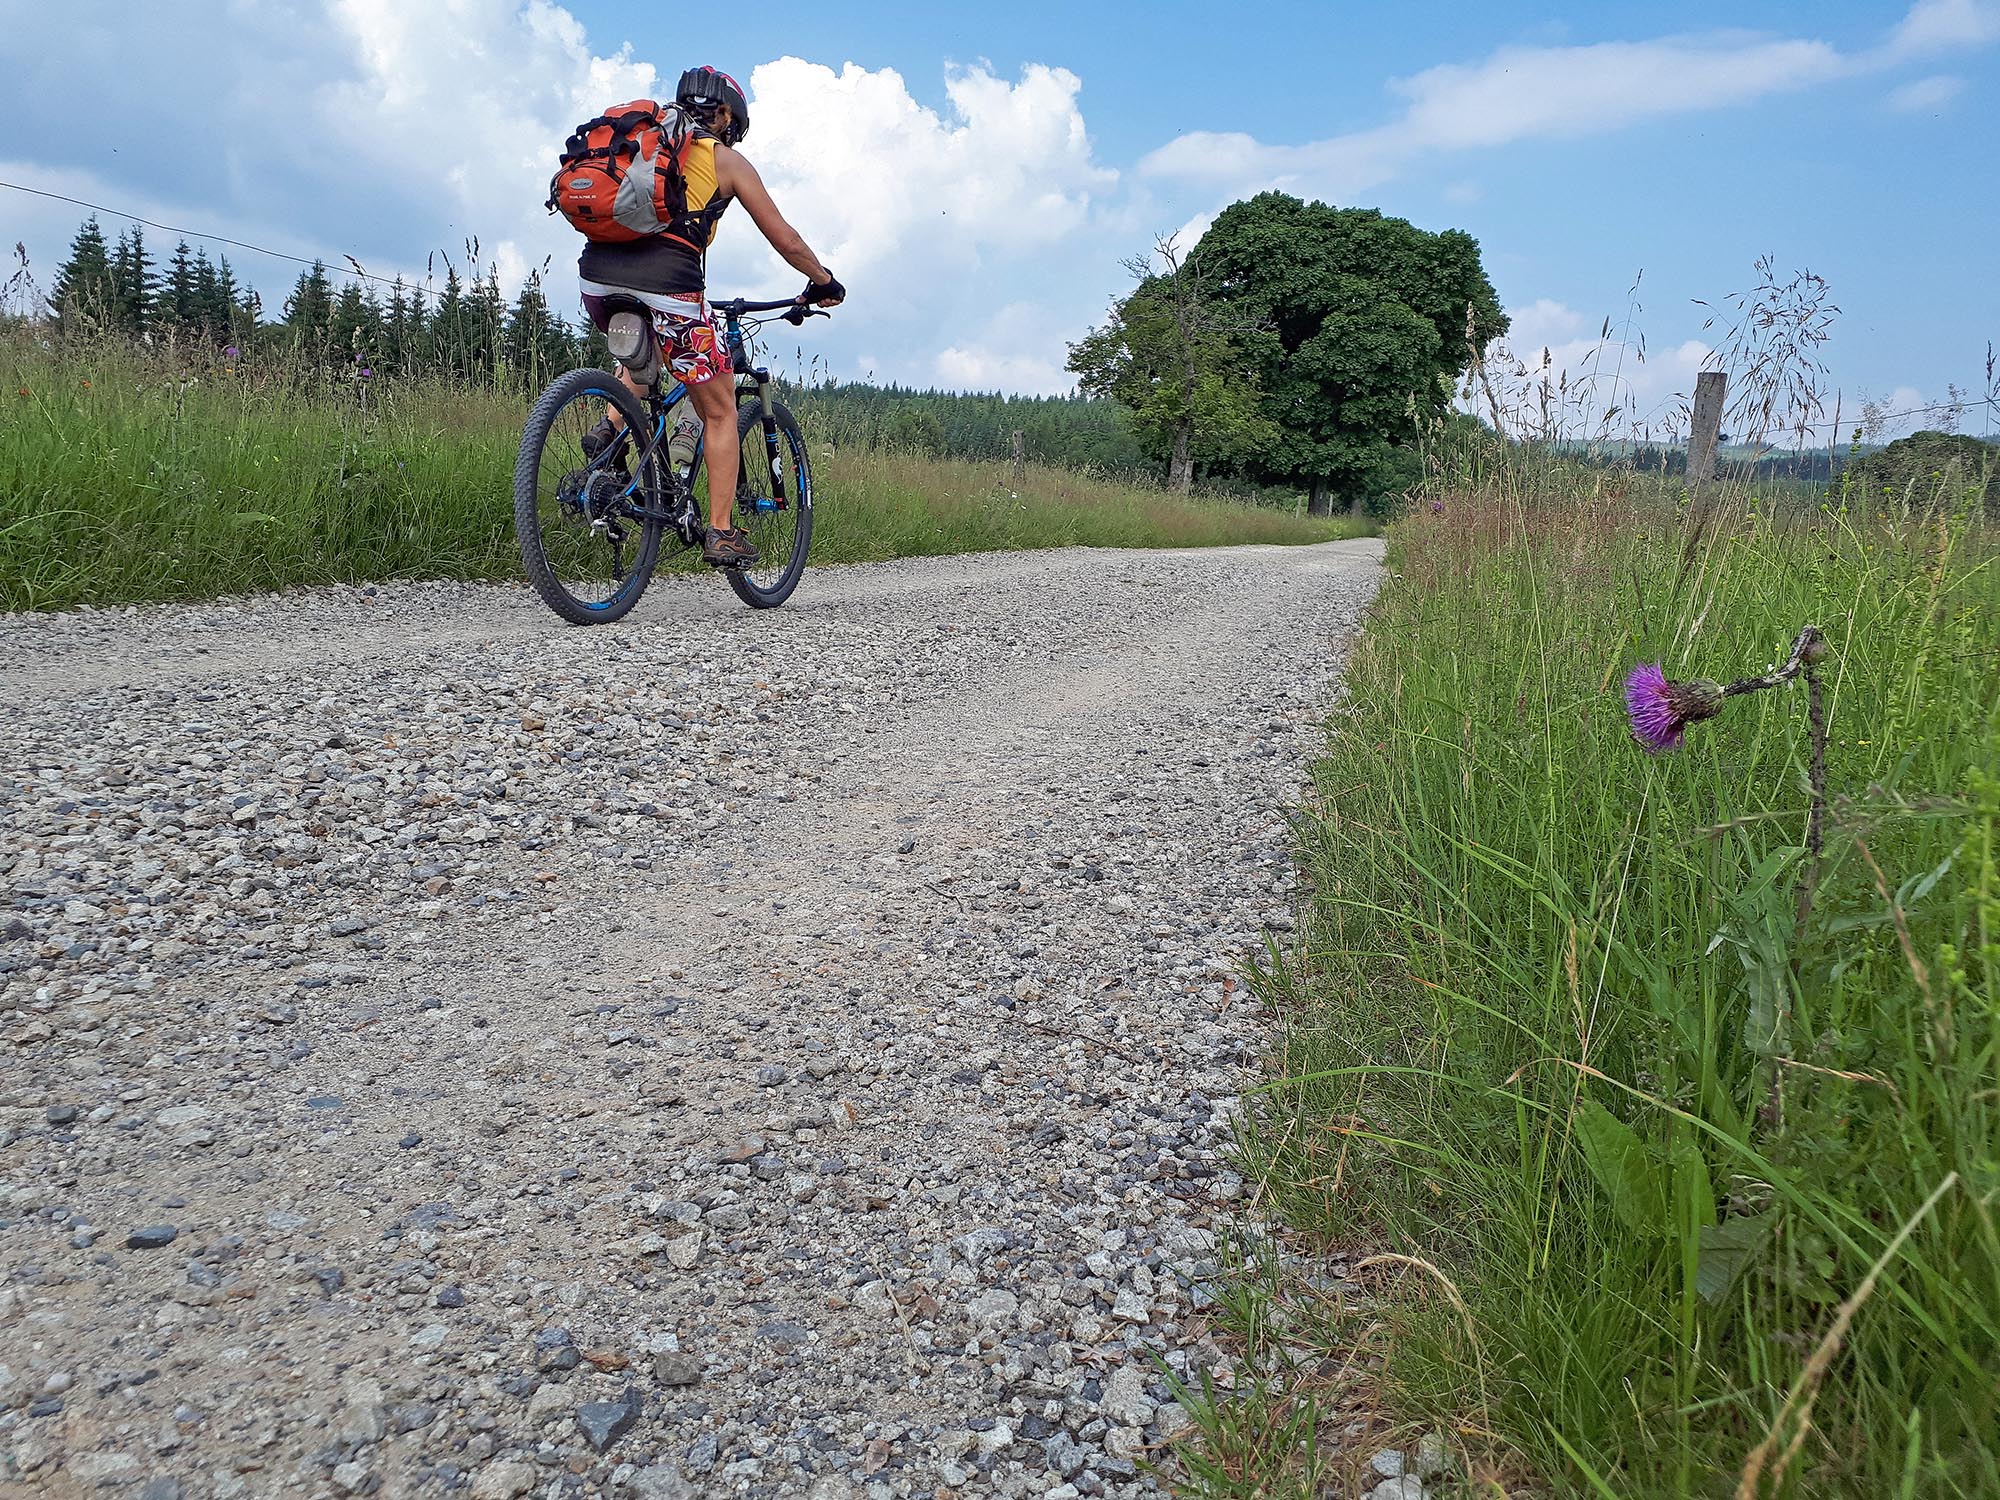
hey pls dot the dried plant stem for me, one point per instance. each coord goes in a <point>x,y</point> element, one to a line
<point>1808,647</point>
<point>1805,1390</point>
<point>1477,350</point>
<point>1471,1324</point>
<point>1816,816</point>
<point>1810,642</point>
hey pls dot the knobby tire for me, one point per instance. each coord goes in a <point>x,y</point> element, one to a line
<point>761,587</point>
<point>528,522</point>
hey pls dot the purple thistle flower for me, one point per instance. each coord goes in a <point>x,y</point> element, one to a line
<point>231,352</point>
<point>1661,709</point>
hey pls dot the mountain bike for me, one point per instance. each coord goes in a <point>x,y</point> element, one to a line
<point>591,525</point>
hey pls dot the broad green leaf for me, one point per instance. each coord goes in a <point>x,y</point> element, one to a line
<point>1624,1168</point>
<point>1726,1248</point>
<point>1694,1193</point>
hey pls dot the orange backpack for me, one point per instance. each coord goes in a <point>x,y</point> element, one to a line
<point>623,177</point>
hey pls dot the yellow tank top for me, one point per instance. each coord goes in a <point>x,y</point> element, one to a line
<point>705,201</point>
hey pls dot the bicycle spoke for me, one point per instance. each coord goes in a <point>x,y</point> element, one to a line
<point>585,537</point>
<point>774,507</point>
<point>767,507</point>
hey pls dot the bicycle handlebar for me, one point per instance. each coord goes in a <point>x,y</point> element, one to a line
<point>739,307</point>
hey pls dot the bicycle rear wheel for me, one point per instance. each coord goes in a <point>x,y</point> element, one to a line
<point>774,505</point>
<point>588,531</point>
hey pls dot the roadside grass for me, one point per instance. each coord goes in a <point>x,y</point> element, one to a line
<point>131,475</point>
<point>1670,1189</point>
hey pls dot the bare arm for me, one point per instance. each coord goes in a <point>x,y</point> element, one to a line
<point>737,178</point>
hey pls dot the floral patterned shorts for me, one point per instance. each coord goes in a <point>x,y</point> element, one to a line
<point>694,355</point>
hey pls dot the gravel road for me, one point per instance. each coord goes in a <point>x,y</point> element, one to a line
<point>729,1054</point>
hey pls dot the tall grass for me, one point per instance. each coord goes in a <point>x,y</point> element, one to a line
<point>132,474</point>
<point>1713,1175</point>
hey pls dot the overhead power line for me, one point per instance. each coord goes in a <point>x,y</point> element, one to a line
<point>353,266</point>
<point>1858,418</point>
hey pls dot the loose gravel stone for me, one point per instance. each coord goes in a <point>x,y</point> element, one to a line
<point>503,1481</point>
<point>1433,1456</point>
<point>672,1368</point>
<point>152,1237</point>
<point>809,1038</point>
<point>1388,1463</point>
<point>604,1422</point>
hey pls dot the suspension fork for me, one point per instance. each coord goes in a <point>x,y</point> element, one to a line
<point>772,455</point>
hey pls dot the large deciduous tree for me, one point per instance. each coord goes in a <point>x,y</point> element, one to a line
<point>1360,322</point>
<point>1174,357</point>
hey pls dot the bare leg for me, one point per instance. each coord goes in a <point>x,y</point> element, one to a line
<point>625,379</point>
<point>715,402</point>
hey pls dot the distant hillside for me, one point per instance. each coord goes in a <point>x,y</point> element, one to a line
<point>1923,460</point>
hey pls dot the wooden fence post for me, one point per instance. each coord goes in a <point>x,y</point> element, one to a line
<point>1020,460</point>
<point>1705,427</point>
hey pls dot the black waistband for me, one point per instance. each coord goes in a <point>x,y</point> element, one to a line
<point>654,264</point>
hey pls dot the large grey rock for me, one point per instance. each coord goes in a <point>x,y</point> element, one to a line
<point>662,1482</point>
<point>1125,1400</point>
<point>503,1481</point>
<point>995,1308</point>
<point>673,1367</point>
<point>604,1422</point>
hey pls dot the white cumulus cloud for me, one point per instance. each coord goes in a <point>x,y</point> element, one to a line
<point>876,180</point>
<point>1560,372</point>
<point>1018,348</point>
<point>390,131</point>
<point>1926,94</point>
<point>1932,26</point>
<point>1520,93</point>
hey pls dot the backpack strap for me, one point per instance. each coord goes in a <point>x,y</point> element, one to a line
<point>623,127</point>
<point>693,228</point>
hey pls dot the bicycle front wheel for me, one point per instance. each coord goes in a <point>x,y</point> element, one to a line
<point>774,505</point>
<point>589,529</point>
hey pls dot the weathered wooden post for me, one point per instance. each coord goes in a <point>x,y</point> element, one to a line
<point>1705,427</point>
<point>1020,459</point>
<point>1704,434</point>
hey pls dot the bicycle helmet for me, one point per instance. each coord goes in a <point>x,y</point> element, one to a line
<point>702,89</point>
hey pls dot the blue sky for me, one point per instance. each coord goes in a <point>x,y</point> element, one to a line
<point>977,173</point>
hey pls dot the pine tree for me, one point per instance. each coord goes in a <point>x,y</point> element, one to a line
<point>354,334</point>
<point>489,327</point>
<point>448,331</point>
<point>178,303</point>
<point>211,310</point>
<point>309,310</point>
<point>240,308</point>
<point>396,321</point>
<point>83,292</point>
<point>539,345</point>
<point>133,284</point>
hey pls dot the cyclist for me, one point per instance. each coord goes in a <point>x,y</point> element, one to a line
<point>668,273</point>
